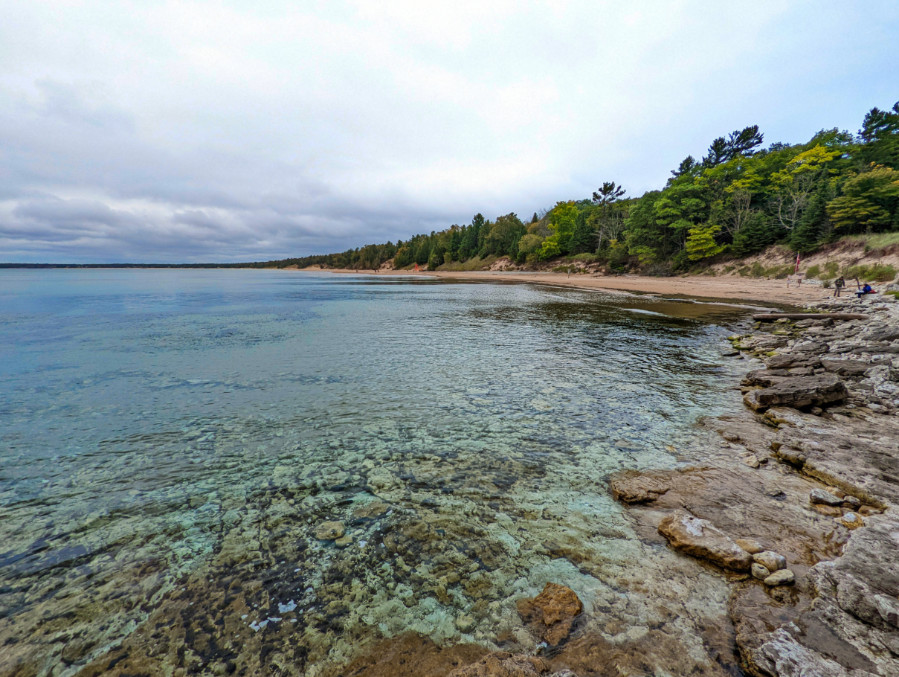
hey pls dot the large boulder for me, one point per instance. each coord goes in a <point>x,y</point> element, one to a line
<point>552,613</point>
<point>700,538</point>
<point>799,392</point>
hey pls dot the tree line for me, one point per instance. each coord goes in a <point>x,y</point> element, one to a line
<point>737,199</point>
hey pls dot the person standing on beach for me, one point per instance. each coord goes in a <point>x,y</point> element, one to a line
<point>838,285</point>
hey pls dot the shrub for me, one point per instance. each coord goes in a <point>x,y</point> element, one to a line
<point>658,269</point>
<point>780,272</point>
<point>813,271</point>
<point>826,283</point>
<point>475,263</point>
<point>876,272</point>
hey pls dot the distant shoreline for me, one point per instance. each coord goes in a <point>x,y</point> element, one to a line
<point>48,266</point>
<point>722,287</point>
<point>730,287</point>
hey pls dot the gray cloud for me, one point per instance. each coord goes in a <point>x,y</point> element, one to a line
<point>208,131</point>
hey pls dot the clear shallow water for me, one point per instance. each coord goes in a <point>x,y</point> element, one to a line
<point>172,440</point>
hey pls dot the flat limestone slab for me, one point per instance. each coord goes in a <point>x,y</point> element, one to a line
<point>702,539</point>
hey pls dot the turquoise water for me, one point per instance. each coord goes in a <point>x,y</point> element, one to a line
<point>173,440</point>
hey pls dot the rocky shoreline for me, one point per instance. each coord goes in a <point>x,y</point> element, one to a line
<point>798,506</point>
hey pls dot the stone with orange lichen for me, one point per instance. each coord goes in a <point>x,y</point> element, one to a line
<point>552,613</point>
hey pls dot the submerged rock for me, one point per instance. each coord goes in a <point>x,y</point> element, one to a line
<point>465,623</point>
<point>552,613</point>
<point>701,538</point>
<point>329,531</point>
<point>504,664</point>
<point>371,509</point>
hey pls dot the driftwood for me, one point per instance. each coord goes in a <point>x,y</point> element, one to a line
<point>770,317</point>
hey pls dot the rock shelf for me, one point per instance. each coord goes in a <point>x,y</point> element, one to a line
<point>820,496</point>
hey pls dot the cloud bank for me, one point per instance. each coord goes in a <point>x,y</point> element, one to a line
<point>234,131</point>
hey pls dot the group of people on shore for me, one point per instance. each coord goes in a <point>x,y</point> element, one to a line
<point>838,285</point>
<point>840,282</point>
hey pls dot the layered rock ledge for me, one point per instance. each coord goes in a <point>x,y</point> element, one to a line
<point>802,493</point>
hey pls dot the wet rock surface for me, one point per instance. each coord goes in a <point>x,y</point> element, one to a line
<point>504,664</point>
<point>635,487</point>
<point>820,518</point>
<point>552,613</point>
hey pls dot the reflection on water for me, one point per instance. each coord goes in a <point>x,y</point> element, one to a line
<point>174,443</point>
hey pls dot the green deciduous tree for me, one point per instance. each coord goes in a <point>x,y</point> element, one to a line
<point>795,183</point>
<point>562,222</point>
<point>504,236</point>
<point>869,202</point>
<point>528,246</point>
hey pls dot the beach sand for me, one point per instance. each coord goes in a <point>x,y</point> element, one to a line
<point>730,287</point>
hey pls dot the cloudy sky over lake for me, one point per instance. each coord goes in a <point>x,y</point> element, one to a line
<point>234,131</point>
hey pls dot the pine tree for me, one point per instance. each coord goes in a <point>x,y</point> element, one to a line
<point>813,225</point>
<point>583,239</point>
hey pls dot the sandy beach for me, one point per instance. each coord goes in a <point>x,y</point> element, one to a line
<point>699,286</point>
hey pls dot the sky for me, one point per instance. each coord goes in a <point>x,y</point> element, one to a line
<point>224,131</point>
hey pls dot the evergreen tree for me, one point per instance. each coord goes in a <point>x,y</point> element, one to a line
<point>701,242</point>
<point>880,134</point>
<point>756,234</point>
<point>814,224</point>
<point>583,239</point>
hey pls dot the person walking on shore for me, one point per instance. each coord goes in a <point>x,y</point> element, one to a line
<point>838,285</point>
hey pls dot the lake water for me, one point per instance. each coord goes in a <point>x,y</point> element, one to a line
<point>172,441</point>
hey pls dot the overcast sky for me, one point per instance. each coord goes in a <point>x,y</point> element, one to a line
<point>234,131</point>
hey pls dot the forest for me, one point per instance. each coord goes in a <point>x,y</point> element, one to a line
<point>736,200</point>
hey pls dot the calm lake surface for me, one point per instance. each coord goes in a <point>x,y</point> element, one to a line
<point>172,443</point>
